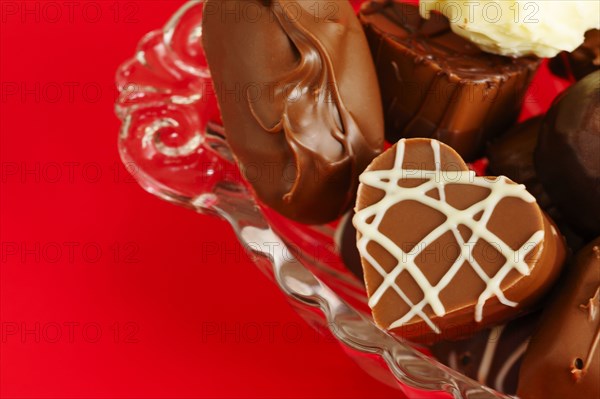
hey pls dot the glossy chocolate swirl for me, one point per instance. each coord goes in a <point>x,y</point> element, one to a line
<point>309,117</point>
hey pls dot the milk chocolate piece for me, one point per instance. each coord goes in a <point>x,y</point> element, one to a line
<point>567,157</point>
<point>563,358</point>
<point>299,97</point>
<point>493,356</point>
<point>584,60</point>
<point>443,248</point>
<point>436,84</point>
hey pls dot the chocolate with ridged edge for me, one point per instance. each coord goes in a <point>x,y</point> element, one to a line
<point>299,98</point>
<point>584,60</point>
<point>563,358</point>
<point>493,357</point>
<point>443,249</point>
<point>567,156</point>
<point>436,84</point>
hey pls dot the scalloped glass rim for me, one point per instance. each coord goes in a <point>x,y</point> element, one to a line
<point>172,143</point>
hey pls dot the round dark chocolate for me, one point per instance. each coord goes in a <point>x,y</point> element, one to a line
<point>567,157</point>
<point>299,98</point>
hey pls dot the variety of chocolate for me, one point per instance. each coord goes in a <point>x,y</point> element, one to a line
<point>582,61</point>
<point>567,156</point>
<point>494,356</point>
<point>299,99</point>
<point>436,84</point>
<point>448,257</point>
<point>563,358</point>
<point>446,253</point>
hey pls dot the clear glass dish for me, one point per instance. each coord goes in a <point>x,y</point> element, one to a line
<point>171,140</point>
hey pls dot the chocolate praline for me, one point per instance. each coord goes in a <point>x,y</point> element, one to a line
<point>299,98</point>
<point>445,253</point>
<point>345,240</point>
<point>563,358</point>
<point>567,156</point>
<point>511,155</point>
<point>439,85</point>
<point>492,357</point>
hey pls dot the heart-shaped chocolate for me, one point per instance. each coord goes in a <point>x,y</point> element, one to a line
<point>446,253</point>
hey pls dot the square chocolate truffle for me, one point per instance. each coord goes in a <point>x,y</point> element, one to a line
<point>436,84</point>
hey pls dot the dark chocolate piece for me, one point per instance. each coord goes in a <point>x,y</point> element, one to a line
<point>563,358</point>
<point>345,240</point>
<point>493,357</point>
<point>584,60</point>
<point>298,93</point>
<point>443,248</point>
<point>567,157</point>
<point>511,155</point>
<point>436,84</point>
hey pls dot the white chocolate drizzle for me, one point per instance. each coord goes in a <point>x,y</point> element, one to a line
<point>367,222</point>
<point>592,308</point>
<point>509,364</point>
<point>488,354</point>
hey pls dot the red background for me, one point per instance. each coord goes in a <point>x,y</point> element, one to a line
<point>105,290</point>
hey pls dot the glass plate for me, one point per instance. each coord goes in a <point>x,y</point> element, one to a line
<point>171,140</point>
